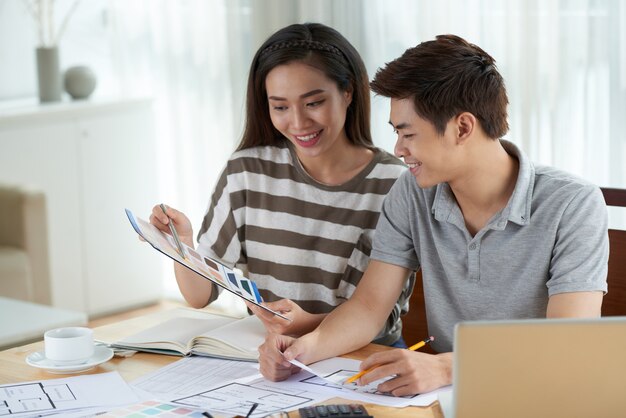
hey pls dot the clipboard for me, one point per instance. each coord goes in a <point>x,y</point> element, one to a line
<point>207,267</point>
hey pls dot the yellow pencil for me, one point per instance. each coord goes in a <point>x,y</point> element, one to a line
<point>412,348</point>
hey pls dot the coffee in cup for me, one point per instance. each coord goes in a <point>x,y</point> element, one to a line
<point>69,346</point>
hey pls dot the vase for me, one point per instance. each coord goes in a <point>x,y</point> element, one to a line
<point>79,82</point>
<point>48,74</point>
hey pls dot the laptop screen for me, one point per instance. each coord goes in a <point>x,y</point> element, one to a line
<point>540,368</point>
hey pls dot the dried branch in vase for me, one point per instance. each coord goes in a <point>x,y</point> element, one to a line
<point>42,12</point>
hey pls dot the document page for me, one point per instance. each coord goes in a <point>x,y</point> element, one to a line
<point>331,374</point>
<point>65,395</point>
<point>191,375</point>
<point>224,387</point>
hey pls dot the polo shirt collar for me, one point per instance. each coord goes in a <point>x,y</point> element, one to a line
<point>520,202</point>
<point>517,209</point>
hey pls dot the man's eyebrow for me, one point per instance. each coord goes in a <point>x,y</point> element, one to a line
<point>302,96</point>
<point>403,125</point>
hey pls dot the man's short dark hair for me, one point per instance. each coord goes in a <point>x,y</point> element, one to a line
<point>445,77</point>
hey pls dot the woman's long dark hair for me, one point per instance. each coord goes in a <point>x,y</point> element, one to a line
<point>321,47</point>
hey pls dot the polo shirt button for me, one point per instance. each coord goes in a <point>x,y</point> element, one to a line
<point>472,246</point>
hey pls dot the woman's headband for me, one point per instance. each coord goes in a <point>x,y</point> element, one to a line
<point>306,44</point>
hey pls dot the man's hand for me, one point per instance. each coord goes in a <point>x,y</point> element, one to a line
<point>277,350</point>
<point>272,363</point>
<point>414,372</point>
<point>301,323</point>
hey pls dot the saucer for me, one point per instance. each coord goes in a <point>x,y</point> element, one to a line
<point>39,360</point>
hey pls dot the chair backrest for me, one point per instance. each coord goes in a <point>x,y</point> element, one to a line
<point>24,255</point>
<point>414,325</point>
<point>614,302</point>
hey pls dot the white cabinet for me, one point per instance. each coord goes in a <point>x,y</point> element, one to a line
<point>92,159</point>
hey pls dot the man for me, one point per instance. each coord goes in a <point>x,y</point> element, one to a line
<point>495,236</point>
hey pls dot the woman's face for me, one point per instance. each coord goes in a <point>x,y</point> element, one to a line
<point>307,108</point>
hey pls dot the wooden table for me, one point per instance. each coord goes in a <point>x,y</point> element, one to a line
<point>13,367</point>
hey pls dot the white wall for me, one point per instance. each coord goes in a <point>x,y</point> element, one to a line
<point>83,43</point>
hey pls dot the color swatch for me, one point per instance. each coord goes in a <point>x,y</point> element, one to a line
<point>153,409</point>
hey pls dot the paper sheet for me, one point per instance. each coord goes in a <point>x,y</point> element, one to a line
<point>231,387</point>
<point>192,375</point>
<point>331,374</point>
<point>71,394</point>
<point>224,387</point>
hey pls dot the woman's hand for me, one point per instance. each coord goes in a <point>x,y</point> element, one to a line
<point>182,224</point>
<point>414,372</point>
<point>196,289</point>
<point>301,323</point>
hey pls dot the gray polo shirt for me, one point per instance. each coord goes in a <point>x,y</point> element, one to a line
<point>550,238</point>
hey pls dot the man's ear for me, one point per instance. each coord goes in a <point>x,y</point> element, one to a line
<point>466,124</point>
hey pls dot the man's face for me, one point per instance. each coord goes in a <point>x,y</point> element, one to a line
<point>432,158</point>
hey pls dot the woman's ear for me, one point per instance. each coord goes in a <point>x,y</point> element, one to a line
<point>348,96</point>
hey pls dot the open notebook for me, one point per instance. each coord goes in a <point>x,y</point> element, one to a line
<point>539,368</point>
<point>185,332</point>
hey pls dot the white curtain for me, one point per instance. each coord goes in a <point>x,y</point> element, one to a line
<point>180,54</point>
<point>564,63</point>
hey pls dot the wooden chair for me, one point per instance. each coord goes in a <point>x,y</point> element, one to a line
<point>614,302</point>
<point>415,328</point>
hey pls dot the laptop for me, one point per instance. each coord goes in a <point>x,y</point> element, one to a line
<point>540,368</point>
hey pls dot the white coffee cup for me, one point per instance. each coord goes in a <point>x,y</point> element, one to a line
<point>68,346</point>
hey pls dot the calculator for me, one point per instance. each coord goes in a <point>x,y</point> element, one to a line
<point>334,411</point>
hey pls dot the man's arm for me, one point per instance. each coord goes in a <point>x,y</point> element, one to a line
<point>419,372</point>
<point>578,268</point>
<point>575,305</point>
<point>356,322</point>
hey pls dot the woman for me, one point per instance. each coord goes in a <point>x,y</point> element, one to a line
<point>297,204</point>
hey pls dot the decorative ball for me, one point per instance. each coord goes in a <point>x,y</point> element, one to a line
<point>79,82</point>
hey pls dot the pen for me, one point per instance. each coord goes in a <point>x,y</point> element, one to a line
<point>254,405</point>
<point>174,233</point>
<point>412,348</point>
<point>252,409</point>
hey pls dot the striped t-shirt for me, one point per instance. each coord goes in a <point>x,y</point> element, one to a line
<point>295,237</point>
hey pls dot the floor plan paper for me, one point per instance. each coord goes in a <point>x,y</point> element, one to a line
<point>192,375</point>
<point>225,387</point>
<point>331,375</point>
<point>237,399</point>
<point>55,396</point>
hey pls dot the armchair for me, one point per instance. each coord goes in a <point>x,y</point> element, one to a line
<point>24,260</point>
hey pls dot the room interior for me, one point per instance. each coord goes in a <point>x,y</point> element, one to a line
<point>166,112</point>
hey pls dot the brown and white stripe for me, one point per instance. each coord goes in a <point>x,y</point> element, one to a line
<point>297,238</point>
